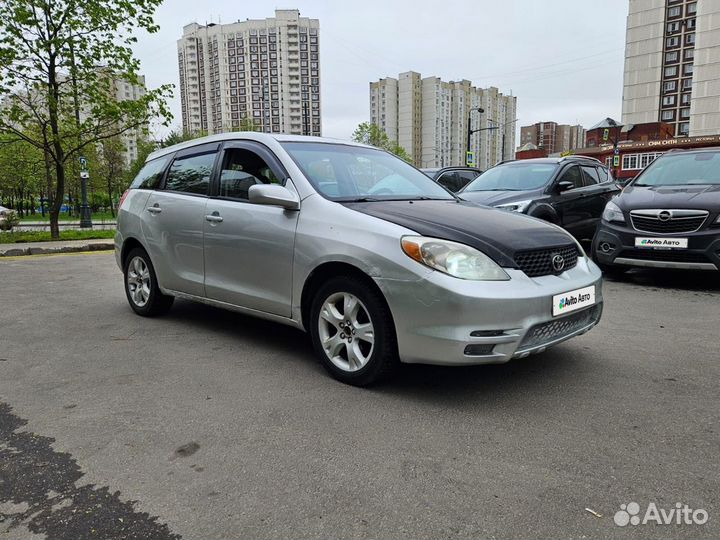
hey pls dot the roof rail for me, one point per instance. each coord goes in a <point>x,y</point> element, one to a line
<point>580,156</point>
<point>503,161</point>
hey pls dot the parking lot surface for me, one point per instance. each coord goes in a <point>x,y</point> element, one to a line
<point>207,424</point>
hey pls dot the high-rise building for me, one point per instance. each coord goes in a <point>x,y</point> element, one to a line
<point>262,71</point>
<point>553,138</point>
<point>428,117</point>
<point>125,90</point>
<point>672,65</point>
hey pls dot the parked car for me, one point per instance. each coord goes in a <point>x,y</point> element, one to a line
<point>666,217</point>
<point>363,251</point>
<point>453,178</point>
<point>569,191</point>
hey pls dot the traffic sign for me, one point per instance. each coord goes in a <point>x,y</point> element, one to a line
<point>83,162</point>
<point>470,159</point>
<point>616,151</point>
<point>616,160</point>
<point>606,134</point>
<point>84,175</point>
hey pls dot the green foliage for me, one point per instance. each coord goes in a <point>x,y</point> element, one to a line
<point>60,63</point>
<point>9,221</point>
<point>45,236</point>
<point>372,134</point>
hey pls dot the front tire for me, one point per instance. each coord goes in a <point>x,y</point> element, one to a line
<point>352,331</point>
<point>141,285</point>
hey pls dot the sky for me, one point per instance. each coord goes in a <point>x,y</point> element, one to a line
<point>563,59</point>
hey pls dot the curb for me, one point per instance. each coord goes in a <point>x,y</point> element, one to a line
<point>17,252</point>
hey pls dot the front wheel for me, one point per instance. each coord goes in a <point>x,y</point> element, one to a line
<point>352,331</point>
<point>141,285</point>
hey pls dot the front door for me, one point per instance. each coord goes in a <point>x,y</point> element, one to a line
<point>249,247</point>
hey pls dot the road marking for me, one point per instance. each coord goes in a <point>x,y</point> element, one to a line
<point>39,255</point>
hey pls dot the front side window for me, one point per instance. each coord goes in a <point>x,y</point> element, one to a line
<point>241,169</point>
<point>191,174</point>
<point>515,176</point>
<point>344,173</point>
<point>150,175</point>
<point>574,176</point>
<point>682,169</point>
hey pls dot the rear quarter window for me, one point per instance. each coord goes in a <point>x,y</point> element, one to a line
<point>151,174</point>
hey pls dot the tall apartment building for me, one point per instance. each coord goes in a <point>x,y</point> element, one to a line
<point>672,65</point>
<point>125,90</point>
<point>553,137</point>
<point>428,117</point>
<point>265,71</point>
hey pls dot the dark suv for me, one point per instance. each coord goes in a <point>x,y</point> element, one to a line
<point>453,178</point>
<point>569,191</point>
<point>666,217</point>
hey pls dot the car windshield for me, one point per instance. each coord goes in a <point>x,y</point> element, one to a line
<point>513,177</point>
<point>342,172</point>
<point>682,169</point>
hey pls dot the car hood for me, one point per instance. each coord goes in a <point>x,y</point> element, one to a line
<point>495,198</point>
<point>658,197</point>
<point>497,233</point>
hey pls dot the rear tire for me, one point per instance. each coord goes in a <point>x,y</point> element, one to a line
<point>141,285</point>
<point>352,331</point>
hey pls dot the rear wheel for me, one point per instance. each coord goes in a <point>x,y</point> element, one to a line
<point>352,331</point>
<point>141,285</point>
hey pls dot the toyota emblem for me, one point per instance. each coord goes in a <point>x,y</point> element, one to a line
<point>664,215</point>
<point>558,263</point>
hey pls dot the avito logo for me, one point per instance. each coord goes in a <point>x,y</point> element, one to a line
<point>572,300</point>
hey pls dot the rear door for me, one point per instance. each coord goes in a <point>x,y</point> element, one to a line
<point>174,220</point>
<point>249,247</point>
<point>598,191</point>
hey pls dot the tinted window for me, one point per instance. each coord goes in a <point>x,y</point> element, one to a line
<point>241,169</point>
<point>345,172</point>
<point>450,180</point>
<point>603,174</point>
<point>591,175</point>
<point>150,175</point>
<point>682,169</point>
<point>573,175</point>
<point>191,174</point>
<point>514,177</point>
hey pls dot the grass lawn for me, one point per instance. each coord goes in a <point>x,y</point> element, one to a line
<point>44,236</point>
<point>98,216</point>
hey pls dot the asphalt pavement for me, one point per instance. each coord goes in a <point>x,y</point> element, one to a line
<point>205,424</point>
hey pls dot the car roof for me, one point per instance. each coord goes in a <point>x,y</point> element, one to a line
<point>553,160</point>
<point>250,136</point>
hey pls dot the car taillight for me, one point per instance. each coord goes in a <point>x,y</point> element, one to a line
<point>122,199</point>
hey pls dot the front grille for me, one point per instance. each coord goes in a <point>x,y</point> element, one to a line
<point>668,255</point>
<point>674,225</point>
<point>547,332</point>
<point>539,262</point>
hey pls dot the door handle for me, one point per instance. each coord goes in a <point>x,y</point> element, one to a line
<point>154,209</point>
<point>214,218</point>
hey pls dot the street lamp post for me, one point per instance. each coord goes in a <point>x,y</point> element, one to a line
<point>471,131</point>
<point>85,215</point>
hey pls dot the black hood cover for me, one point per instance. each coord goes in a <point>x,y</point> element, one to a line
<point>497,233</point>
<point>690,197</point>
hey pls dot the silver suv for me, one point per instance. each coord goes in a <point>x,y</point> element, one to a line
<point>366,253</point>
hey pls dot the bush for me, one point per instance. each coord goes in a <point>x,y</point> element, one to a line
<point>9,221</point>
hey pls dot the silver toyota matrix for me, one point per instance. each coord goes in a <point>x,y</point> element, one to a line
<point>375,260</point>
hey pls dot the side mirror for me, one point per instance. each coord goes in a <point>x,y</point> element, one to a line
<point>564,186</point>
<point>275,195</point>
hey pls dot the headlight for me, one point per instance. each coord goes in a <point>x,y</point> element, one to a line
<point>451,258</point>
<point>612,212</point>
<point>519,206</point>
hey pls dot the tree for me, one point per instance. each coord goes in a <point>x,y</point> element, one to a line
<point>112,167</point>
<point>60,62</point>
<point>372,134</point>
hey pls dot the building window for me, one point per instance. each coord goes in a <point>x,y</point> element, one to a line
<point>672,42</point>
<point>630,162</point>
<point>636,162</point>
<point>685,113</point>
<point>689,54</point>
<point>672,56</point>
<point>673,27</point>
<point>692,8</point>
<point>670,86</point>
<point>685,128</point>
<point>668,115</point>
<point>671,71</point>
<point>687,84</point>
<point>689,39</point>
<point>674,11</point>
<point>685,100</point>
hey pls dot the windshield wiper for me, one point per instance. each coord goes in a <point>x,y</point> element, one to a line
<point>360,199</point>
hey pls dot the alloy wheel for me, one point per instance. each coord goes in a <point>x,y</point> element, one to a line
<point>346,331</point>
<point>138,281</point>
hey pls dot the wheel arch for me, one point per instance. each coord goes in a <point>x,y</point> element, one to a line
<point>543,210</point>
<point>129,244</point>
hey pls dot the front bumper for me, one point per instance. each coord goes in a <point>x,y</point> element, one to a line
<point>448,321</point>
<point>702,253</point>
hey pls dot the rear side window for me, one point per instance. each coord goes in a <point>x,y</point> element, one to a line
<point>191,174</point>
<point>603,173</point>
<point>150,175</point>
<point>591,175</point>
